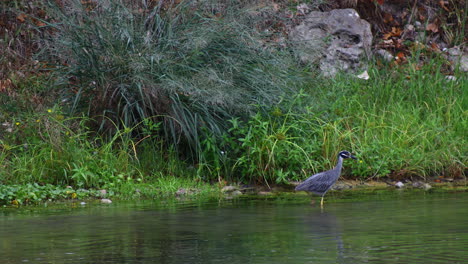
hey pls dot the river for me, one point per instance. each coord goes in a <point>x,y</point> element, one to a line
<point>422,228</point>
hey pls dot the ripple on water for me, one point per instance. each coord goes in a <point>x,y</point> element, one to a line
<point>428,229</point>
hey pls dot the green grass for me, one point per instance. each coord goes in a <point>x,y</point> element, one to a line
<point>401,123</point>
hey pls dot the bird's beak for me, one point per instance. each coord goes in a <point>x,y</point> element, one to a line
<point>353,157</point>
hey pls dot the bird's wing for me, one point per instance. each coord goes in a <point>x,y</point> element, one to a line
<point>318,183</point>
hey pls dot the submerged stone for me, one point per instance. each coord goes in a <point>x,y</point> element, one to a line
<point>421,185</point>
<point>106,201</point>
<point>342,186</point>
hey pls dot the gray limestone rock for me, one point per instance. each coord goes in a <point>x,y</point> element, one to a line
<point>459,58</point>
<point>337,40</point>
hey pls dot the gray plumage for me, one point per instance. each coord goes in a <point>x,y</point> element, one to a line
<point>321,182</point>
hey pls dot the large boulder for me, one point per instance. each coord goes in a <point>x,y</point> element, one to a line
<point>338,40</point>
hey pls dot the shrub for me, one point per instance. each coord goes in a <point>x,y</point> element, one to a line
<point>189,67</point>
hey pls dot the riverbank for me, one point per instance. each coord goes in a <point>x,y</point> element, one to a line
<point>193,99</point>
<point>173,190</point>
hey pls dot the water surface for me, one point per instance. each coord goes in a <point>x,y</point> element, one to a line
<point>425,228</point>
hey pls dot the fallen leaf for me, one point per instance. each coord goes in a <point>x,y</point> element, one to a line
<point>435,47</point>
<point>387,35</point>
<point>443,5</point>
<point>432,27</point>
<point>396,32</point>
<point>387,18</point>
<point>40,23</point>
<point>400,55</point>
<point>21,17</point>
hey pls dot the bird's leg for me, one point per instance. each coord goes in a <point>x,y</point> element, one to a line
<point>321,202</point>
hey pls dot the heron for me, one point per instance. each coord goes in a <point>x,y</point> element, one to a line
<point>321,182</point>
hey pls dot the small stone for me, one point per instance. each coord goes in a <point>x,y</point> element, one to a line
<point>103,192</point>
<point>303,9</point>
<point>228,188</point>
<point>364,76</point>
<point>106,201</point>
<point>264,193</point>
<point>82,203</point>
<point>236,193</point>
<point>427,186</point>
<point>181,192</point>
<point>409,27</point>
<point>421,185</point>
<point>341,186</point>
<point>399,184</point>
<point>418,24</point>
<point>459,58</point>
<point>385,54</point>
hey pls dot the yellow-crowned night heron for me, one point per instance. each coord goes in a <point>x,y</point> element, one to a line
<point>321,182</point>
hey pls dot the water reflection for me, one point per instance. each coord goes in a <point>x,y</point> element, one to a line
<point>325,230</point>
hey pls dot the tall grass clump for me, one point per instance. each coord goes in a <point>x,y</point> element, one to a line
<point>189,67</point>
<point>53,149</point>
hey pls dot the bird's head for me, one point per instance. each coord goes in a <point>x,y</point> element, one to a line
<point>346,155</point>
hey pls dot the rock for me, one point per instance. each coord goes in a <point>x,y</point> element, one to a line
<point>409,32</point>
<point>421,185</point>
<point>385,55</point>
<point>233,194</point>
<point>103,192</point>
<point>229,188</point>
<point>458,57</point>
<point>341,186</point>
<point>399,184</point>
<point>236,193</point>
<point>450,78</point>
<point>106,201</point>
<point>336,40</point>
<point>377,184</point>
<point>302,9</point>
<point>181,192</point>
<point>364,75</point>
